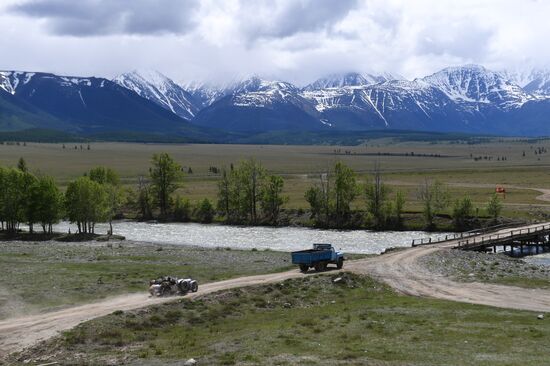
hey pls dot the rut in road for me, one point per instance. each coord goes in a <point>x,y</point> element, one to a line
<point>401,270</point>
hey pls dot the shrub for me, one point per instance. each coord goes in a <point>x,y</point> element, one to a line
<point>182,209</point>
<point>204,212</point>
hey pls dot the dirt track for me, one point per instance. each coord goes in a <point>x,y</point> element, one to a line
<point>400,269</point>
<point>17,333</point>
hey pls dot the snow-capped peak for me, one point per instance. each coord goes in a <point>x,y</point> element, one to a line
<point>134,80</point>
<point>474,83</point>
<point>338,81</point>
<point>258,92</point>
<point>349,80</point>
<point>10,80</point>
<point>158,88</point>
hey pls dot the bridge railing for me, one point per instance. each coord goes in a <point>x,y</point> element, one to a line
<point>511,235</point>
<point>461,235</point>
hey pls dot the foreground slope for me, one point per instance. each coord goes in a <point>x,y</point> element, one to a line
<point>401,270</point>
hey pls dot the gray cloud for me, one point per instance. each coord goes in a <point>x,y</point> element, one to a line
<point>107,17</point>
<point>287,18</point>
<point>294,40</point>
<point>463,39</point>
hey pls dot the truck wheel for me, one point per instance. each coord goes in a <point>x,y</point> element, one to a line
<point>304,268</point>
<point>194,287</point>
<point>318,267</point>
<point>340,263</point>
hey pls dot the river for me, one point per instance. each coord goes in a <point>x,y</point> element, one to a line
<point>248,237</point>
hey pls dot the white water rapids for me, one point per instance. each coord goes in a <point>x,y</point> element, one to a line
<point>248,237</point>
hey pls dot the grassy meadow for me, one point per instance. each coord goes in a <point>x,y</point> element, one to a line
<point>46,275</point>
<point>307,321</point>
<point>405,166</point>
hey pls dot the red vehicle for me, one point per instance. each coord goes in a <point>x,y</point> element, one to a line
<point>501,189</point>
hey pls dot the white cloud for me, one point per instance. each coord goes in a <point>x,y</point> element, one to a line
<point>296,40</point>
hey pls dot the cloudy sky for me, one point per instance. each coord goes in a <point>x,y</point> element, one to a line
<point>294,40</point>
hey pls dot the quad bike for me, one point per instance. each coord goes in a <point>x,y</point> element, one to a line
<point>169,286</point>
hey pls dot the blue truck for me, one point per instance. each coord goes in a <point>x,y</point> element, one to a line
<point>319,257</point>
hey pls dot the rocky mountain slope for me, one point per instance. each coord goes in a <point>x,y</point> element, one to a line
<point>468,98</point>
<point>82,105</point>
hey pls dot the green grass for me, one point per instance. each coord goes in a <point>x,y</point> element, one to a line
<point>307,321</point>
<point>46,275</point>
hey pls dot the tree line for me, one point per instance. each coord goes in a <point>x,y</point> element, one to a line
<point>331,198</point>
<point>247,194</point>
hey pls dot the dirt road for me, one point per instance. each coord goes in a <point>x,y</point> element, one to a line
<point>18,333</point>
<point>401,270</point>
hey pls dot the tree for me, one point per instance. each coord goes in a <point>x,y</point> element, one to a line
<point>110,182</point>
<point>330,198</point>
<point>204,212</point>
<point>47,202</point>
<point>12,198</point>
<point>397,208</point>
<point>345,191</point>
<point>224,194</point>
<point>315,199</point>
<point>494,207</point>
<point>441,196</point>
<point>166,176</point>
<point>377,196</point>
<point>462,210</point>
<point>86,204</point>
<point>104,175</point>
<point>145,199</point>
<point>240,190</point>
<point>319,200</point>
<point>434,197</point>
<point>182,209</point>
<point>22,165</point>
<point>28,182</point>
<point>272,199</point>
<point>250,175</point>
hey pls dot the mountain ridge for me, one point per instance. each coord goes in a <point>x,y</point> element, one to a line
<point>469,98</point>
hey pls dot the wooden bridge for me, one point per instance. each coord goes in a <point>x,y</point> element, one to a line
<point>515,241</point>
<point>531,240</point>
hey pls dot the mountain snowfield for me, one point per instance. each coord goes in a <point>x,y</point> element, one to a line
<point>466,98</point>
<point>160,89</point>
<point>81,105</point>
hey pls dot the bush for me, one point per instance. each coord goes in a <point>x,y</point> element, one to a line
<point>461,212</point>
<point>204,212</point>
<point>182,209</point>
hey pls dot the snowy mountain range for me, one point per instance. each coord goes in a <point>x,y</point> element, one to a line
<point>81,105</point>
<point>468,98</point>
